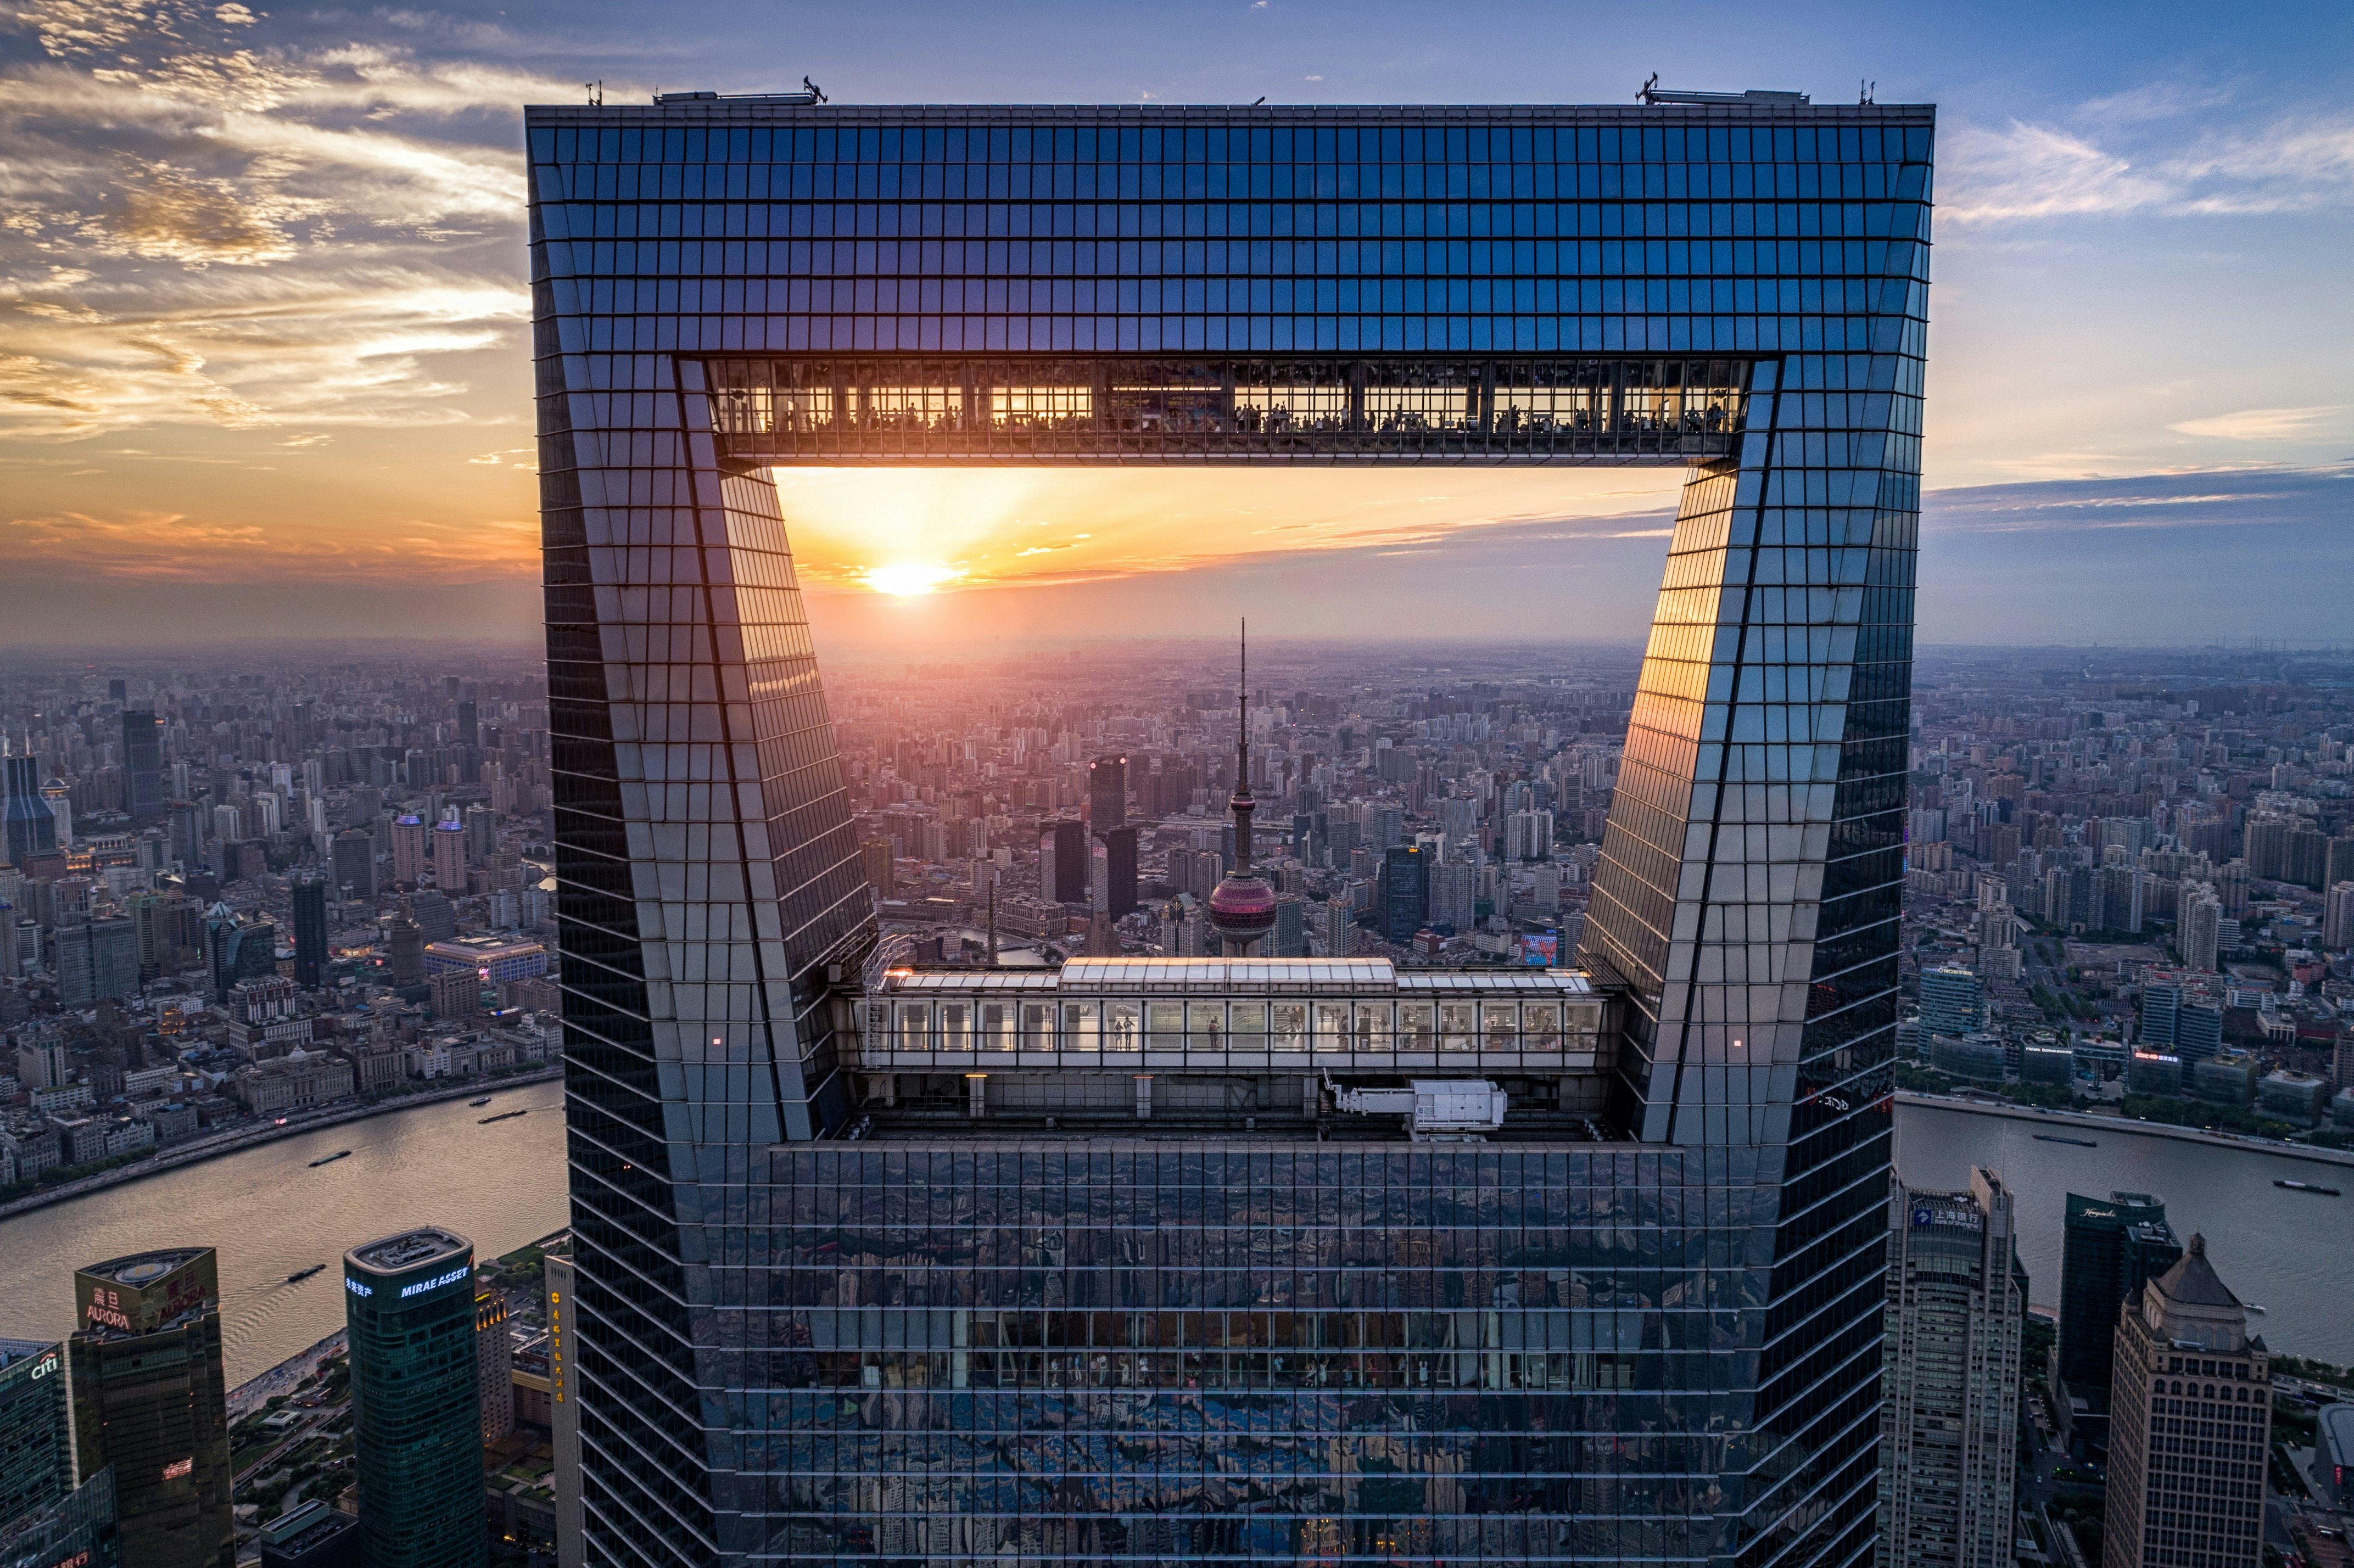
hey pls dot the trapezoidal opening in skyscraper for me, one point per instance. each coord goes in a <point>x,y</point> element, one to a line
<point>1280,1256</point>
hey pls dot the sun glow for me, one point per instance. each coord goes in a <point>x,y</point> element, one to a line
<point>904,580</point>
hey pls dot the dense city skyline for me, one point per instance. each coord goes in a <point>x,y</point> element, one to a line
<point>920,968</point>
<point>265,280</point>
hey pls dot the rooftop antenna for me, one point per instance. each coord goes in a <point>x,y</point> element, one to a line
<point>596,92</point>
<point>1259,100</point>
<point>814,89</point>
<point>1864,90</point>
<point>1644,95</point>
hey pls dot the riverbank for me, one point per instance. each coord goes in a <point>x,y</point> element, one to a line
<point>284,1377</point>
<point>2125,1123</point>
<point>197,1151</point>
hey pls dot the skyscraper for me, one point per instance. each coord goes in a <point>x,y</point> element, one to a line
<point>1405,892</point>
<point>1120,871</point>
<point>143,764</point>
<point>563,1407</point>
<point>352,864</point>
<point>2199,929</point>
<point>2108,1250</point>
<point>29,827</point>
<point>1063,861</point>
<point>1953,1001</point>
<point>1107,794</point>
<point>1949,1430</point>
<point>408,1305</point>
<point>310,895</point>
<point>1744,913</point>
<point>2192,1429</point>
<point>1454,895</point>
<point>449,858</point>
<point>150,1402</point>
<point>75,1530</point>
<point>411,854</point>
<point>36,1454</point>
<point>97,960</point>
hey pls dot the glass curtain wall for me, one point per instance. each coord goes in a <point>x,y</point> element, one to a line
<point>708,882</point>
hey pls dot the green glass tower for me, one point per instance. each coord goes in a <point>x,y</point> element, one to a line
<point>417,1424</point>
<point>149,1399</point>
<point>35,1444</point>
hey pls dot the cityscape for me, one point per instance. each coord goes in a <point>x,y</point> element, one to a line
<point>2128,902</point>
<point>1269,793</point>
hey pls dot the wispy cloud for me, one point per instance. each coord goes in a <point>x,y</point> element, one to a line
<point>2266,424</point>
<point>198,226</point>
<point>2157,152</point>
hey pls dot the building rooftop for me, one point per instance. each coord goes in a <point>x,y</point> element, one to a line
<point>144,1269</point>
<point>398,1254</point>
<point>14,1351</point>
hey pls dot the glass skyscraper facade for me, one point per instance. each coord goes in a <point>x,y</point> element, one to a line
<point>150,1402</point>
<point>417,1424</point>
<point>1085,1313</point>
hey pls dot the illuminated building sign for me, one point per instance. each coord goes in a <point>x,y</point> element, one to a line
<point>422,1286</point>
<point>356,1288</point>
<point>178,1467</point>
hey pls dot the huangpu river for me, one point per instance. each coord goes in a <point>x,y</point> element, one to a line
<point>271,1213</point>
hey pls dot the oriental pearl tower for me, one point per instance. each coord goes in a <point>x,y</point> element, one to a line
<point>1242,906</point>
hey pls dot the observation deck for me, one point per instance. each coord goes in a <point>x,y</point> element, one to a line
<point>1343,1016</point>
<point>1347,410</point>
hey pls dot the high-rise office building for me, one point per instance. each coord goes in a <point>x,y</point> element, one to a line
<point>879,866</point>
<point>1767,833</point>
<point>1953,1001</point>
<point>1107,794</point>
<point>97,960</point>
<point>481,835</point>
<point>2108,1249</point>
<point>1339,928</point>
<point>417,1406</point>
<point>352,864</point>
<point>494,1364</point>
<point>563,1405</point>
<point>404,948</point>
<point>1404,903</point>
<point>1288,938</point>
<point>77,1529</point>
<point>27,826</point>
<point>143,764</point>
<point>310,894</point>
<point>2192,1430</point>
<point>149,1401</point>
<point>1949,1428</point>
<point>1063,860</point>
<point>1120,871</point>
<point>37,1455</point>
<point>1454,895</point>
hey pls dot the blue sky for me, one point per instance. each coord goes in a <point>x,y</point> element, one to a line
<point>261,313</point>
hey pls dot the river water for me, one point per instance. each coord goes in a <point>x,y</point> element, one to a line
<point>269,1213</point>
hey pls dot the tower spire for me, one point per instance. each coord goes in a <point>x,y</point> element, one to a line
<point>1242,906</point>
<point>1243,805</point>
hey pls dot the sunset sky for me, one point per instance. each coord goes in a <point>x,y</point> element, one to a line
<point>263,363</point>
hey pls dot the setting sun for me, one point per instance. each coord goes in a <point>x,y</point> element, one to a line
<point>904,578</point>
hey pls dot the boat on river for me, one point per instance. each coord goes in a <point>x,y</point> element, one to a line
<point>503,1115</point>
<point>330,1160</point>
<point>2308,1187</point>
<point>300,1275</point>
<point>484,1101</point>
<point>2055,1137</point>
